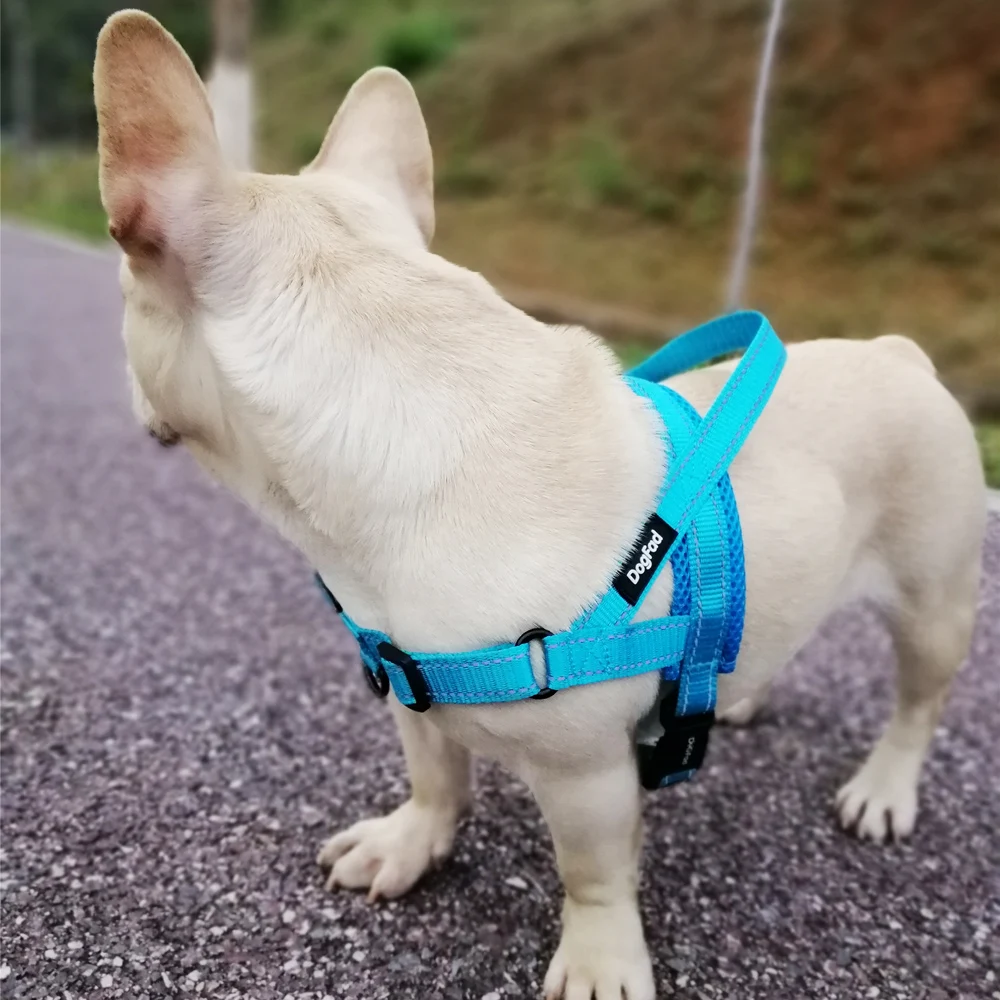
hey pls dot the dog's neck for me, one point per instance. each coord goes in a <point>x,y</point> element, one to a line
<point>469,473</point>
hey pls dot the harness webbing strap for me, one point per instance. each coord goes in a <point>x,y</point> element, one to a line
<point>503,672</point>
<point>686,707</point>
<point>731,417</point>
<point>709,586</point>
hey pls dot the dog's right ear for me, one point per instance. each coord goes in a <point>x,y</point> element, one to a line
<point>159,155</point>
<point>379,139</point>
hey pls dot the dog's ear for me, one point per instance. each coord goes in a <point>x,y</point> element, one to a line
<point>159,154</point>
<point>378,138</point>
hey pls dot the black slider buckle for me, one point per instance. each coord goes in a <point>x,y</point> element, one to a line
<point>681,748</point>
<point>411,670</point>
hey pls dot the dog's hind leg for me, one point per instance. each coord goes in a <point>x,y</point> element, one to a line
<point>928,540</point>
<point>387,855</point>
<point>932,629</point>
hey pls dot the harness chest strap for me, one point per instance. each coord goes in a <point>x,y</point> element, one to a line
<point>694,504</point>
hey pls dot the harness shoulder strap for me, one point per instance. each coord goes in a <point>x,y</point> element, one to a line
<point>696,468</point>
<point>731,417</point>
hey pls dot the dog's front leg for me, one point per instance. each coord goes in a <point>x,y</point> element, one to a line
<point>387,855</point>
<point>593,812</point>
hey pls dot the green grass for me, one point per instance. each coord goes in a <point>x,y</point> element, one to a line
<point>988,436</point>
<point>603,170</point>
<point>57,189</point>
<point>417,42</point>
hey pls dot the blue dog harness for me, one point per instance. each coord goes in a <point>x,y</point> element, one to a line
<point>695,527</point>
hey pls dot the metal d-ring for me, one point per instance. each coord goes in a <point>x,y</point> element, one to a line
<point>531,635</point>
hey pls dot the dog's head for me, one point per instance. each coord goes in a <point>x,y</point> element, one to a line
<point>226,274</point>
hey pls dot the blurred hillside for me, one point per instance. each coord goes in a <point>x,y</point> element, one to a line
<point>594,148</point>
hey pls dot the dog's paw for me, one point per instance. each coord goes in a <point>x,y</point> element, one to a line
<point>880,802</point>
<point>386,856</point>
<point>602,955</point>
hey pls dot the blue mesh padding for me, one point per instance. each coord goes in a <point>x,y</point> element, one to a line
<point>735,570</point>
<point>680,563</point>
<point>680,559</point>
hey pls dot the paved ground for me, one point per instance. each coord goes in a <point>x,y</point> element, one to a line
<point>183,722</point>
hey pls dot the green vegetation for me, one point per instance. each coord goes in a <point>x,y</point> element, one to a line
<point>797,170</point>
<point>602,169</point>
<point>988,436</point>
<point>947,247</point>
<point>467,177</point>
<point>416,42</point>
<point>57,189</point>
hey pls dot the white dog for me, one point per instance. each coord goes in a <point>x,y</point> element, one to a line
<point>459,472</point>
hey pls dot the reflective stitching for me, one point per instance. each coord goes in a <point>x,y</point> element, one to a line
<point>482,694</point>
<point>749,418</point>
<point>686,675</point>
<point>709,422</point>
<point>616,635</point>
<point>669,658</point>
<point>437,663</point>
<point>724,562</point>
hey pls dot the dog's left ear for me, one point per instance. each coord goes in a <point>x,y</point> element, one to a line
<point>379,139</point>
<point>160,161</point>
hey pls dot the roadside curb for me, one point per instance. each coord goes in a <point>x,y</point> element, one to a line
<point>61,240</point>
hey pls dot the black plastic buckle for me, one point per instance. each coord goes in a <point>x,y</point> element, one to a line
<point>537,633</point>
<point>681,748</point>
<point>411,670</point>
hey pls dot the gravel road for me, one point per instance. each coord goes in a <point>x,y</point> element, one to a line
<point>184,723</point>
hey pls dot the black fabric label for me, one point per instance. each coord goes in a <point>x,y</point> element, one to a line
<point>654,541</point>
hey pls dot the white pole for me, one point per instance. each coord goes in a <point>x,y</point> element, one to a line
<point>230,81</point>
<point>751,193</point>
